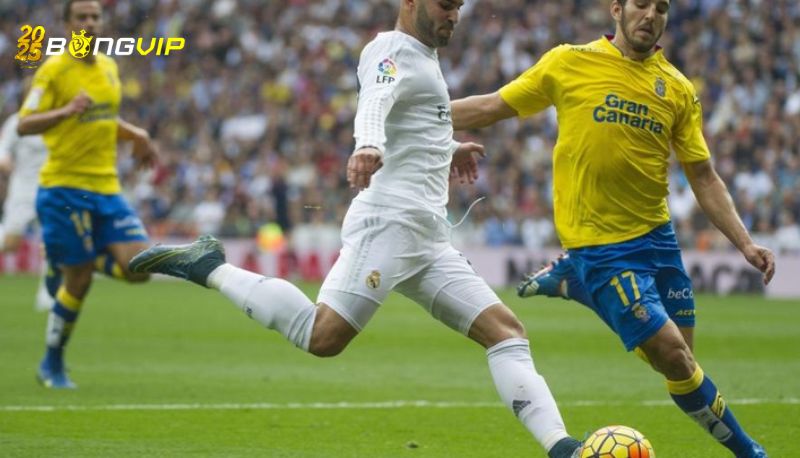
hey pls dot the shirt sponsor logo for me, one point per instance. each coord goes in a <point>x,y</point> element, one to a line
<point>685,293</point>
<point>444,113</point>
<point>617,110</point>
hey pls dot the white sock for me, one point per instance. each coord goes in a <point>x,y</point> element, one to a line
<point>273,302</point>
<point>525,392</point>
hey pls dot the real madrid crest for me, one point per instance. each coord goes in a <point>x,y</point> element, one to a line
<point>374,279</point>
<point>661,87</point>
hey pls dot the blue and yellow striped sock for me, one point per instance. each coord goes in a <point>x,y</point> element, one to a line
<point>700,399</point>
<point>60,324</point>
<point>106,264</point>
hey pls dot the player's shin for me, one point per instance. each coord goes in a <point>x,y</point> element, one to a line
<point>700,399</point>
<point>525,392</point>
<point>273,302</point>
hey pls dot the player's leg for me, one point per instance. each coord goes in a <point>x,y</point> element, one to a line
<point>19,212</point>
<point>273,302</point>
<point>50,279</point>
<point>69,243</point>
<point>633,305</point>
<point>349,297</point>
<point>115,262</point>
<point>695,393</point>
<point>453,293</point>
<point>557,279</point>
<point>677,295</point>
<point>61,323</point>
<point>119,235</point>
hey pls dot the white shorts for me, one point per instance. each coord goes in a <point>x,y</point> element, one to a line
<point>387,249</point>
<point>19,209</point>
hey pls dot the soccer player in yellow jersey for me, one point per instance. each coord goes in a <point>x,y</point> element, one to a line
<point>74,104</point>
<point>622,107</point>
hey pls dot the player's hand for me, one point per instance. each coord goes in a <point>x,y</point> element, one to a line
<point>465,162</point>
<point>762,259</point>
<point>145,152</point>
<point>79,104</point>
<point>361,165</point>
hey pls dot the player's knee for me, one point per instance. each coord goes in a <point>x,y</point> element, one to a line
<point>78,283</point>
<point>514,328</point>
<point>326,344</point>
<point>676,362</point>
<point>496,324</point>
<point>330,334</point>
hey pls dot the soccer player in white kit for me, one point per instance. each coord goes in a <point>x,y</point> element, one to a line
<point>395,235</point>
<point>22,157</point>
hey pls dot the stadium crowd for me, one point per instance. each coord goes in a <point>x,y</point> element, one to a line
<point>254,117</point>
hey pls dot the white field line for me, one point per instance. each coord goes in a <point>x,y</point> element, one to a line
<point>352,405</point>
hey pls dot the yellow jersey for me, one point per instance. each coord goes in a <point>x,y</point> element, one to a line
<point>618,119</point>
<point>82,149</point>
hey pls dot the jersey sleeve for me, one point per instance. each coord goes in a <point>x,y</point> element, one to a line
<point>8,136</point>
<point>383,76</point>
<point>535,89</point>
<point>687,137</point>
<point>41,96</point>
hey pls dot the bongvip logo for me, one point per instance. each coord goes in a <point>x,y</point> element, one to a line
<point>30,43</point>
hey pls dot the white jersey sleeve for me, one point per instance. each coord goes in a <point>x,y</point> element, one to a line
<point>404,111</point>
<point>383,74</point>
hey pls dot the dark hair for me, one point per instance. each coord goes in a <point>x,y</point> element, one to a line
<point>68,7</point>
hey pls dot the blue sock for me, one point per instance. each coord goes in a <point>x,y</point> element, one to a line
<point>700,399</point>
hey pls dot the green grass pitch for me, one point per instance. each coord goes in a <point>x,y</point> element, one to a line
<point>170,369</point>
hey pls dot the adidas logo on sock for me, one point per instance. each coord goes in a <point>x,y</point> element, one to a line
<point>518,405</point>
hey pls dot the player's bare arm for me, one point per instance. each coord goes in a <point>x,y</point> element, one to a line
<point>144,150</point>
<point>361,165</point>
<point>479,111</point>
<point>36,123</point>
<point>717,204</point>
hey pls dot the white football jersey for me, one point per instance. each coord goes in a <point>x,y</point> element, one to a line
<point>28,154</point>
<point>404,111</point>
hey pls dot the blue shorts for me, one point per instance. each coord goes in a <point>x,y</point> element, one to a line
<point>77,225</point>
<point>637,285</point>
